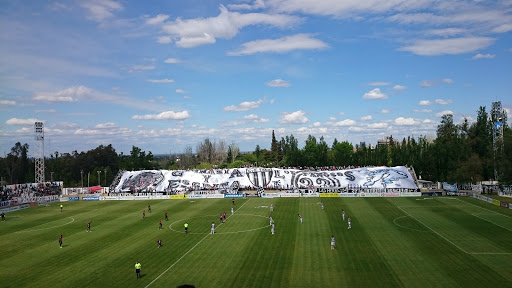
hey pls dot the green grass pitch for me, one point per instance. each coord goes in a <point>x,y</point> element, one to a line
<point>394,242</point>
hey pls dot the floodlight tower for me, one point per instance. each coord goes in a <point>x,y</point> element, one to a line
<point>498,117</point>
<point>39,137</point>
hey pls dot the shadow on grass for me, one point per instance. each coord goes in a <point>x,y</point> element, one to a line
<point>186,286</point>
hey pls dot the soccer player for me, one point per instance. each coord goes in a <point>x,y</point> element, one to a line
<point>300,218</point>
<point>224,216</point>
<point>60,241</point>
<point>186,227</point>
<point>88,226</point>
<point>3,216</point>
<point>149,208</point>
<point>61,206</point>
<point>233,201</point>
<point>271,220</point>
<point>138,267</point>
<point>232,211</point>
<point>333,242</point>
<point>272,228</point>
<point>343,214</point>
<point>166,217</point>
<point>322,204</point>
<point>349,222</point>
<point>160,225</point>
<point>143,214</point>
<point>212,231</point>
<point>271,207</point>
<point>159,243</point>
<point>220,217</point>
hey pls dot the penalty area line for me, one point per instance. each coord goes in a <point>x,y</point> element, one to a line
<point>190,250</point>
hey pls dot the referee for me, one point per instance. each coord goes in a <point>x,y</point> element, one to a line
<point>137,269</point>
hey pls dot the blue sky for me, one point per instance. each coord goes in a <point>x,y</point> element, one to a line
<point>163,75</point>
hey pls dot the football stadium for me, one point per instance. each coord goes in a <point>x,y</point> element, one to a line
<point>271,228</point>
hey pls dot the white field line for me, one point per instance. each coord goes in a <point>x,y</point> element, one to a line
<point>394,221</point>
<point>438,234</point>
<point>492,222</point>
<point>483,208</point>
<point>72,219</point>
<point>176,262</point>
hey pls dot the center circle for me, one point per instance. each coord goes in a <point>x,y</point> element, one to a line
<point>217,225</point>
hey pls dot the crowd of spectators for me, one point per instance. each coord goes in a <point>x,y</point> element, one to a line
<point>30,190</point>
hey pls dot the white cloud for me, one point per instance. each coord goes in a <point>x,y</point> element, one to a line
<point>278,83</point>
<point>385,111</point>
<point>381,125</point>
<point>445,32</point>
<point>507,27</point>
<point>255,118</point>
<point>281,45</point>
<point>107,125</point>
<point>366,118</point>
<point>317,124</point>
<point>296,117</point>
<point>17,121</point>
<point>201,31</point>
<point>375,94</point>
<point>483,56</point>
<point>7,102</point>
<point>71,94</point>
<point>180,91</point>
<point>399,87</point>
<point>427,83</point>
<point>445,112</point>
<point>244,106</point>
<point>448,81</point>
<point>425,103</point>
<point>99,10</point>
<point>258,4</point>
<point>158,19</point>
<point>172,60</point>
<point>161,80</point>
<point>346,122</point>
<point>164,39</point>
<point>422,111</point>
<point>348,8</point>
<point>443,102</point>
<point>451,46</point>
<point>379,84</point>
<point>141,68</point>
<point>405,121</point>
<point>167,115</point>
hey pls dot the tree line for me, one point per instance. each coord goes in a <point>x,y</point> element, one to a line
<point>462,153</point>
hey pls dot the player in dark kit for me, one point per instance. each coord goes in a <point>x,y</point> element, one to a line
<point>3,216</point>
<point>233,201</point>
<point>143,214</point>
<point>220,217</point>
<point>149,208</point>
<point>224,216</point>
<point>160,225</point>
<point>60,241</point>
<point>159,243</point>
<point>166,218</point>
<point>88,226</point>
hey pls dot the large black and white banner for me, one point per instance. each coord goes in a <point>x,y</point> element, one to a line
<point>227,180</point>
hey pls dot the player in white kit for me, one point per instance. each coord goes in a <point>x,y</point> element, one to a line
<point>213,228</point>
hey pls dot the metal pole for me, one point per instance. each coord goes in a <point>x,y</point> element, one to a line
<point>105,177</point>
<point>99,174</point>
<point>88,176</point>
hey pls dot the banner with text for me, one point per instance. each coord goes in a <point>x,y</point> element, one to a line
<point>231,180</point>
